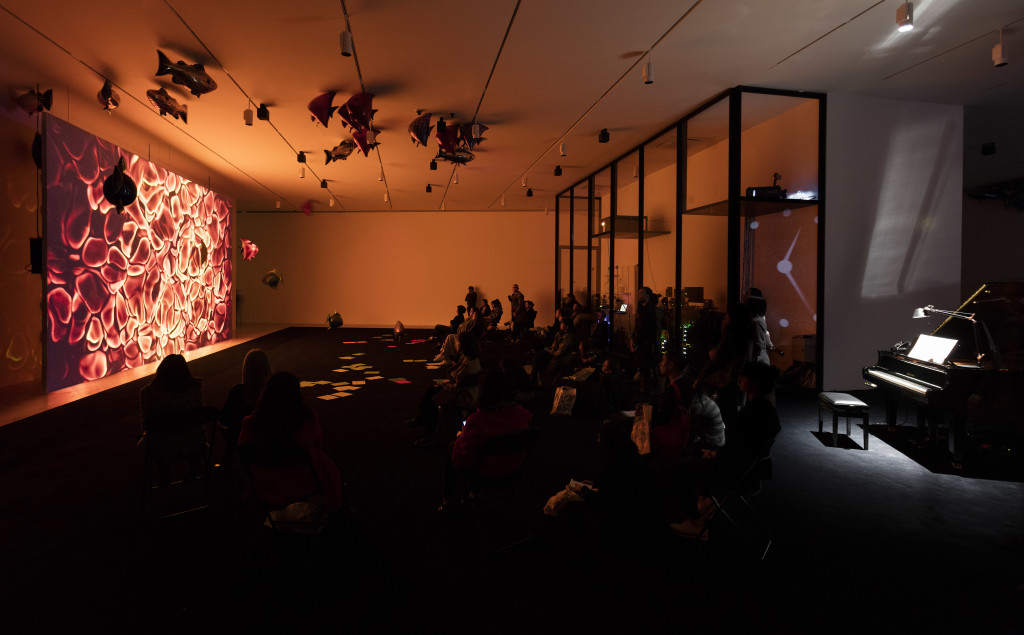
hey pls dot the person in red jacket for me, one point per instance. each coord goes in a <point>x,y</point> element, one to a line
<point>497,414</point>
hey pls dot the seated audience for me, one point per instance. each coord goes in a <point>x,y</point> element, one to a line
<point>749,437</point>
<point>242,400</point>
<point>453,326</point>
<point>558,356</point>
<point>280,418</point>
<point>520,379</point>
<point>460,391</point>
<point>449,353</point>
<point>173,389</point>
<point>719,375</point>
<point>705,429</point>
<point>494,319</point>
<point>497,414</point>
<point>485,308</point>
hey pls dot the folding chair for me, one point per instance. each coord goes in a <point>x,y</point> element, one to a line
<point>748,484</point>
<point>175,438</point>
<point>498,493</point>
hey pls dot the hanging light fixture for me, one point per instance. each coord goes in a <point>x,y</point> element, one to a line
<point>433,164</point>
<point>278,204</point>
<point>529,193</point>
<point>455,177</point>
<point>648,78</point>
<point>263,113</point>
<point>561,149</point>
<point>386,199</point>
<point>999,56</point>
<point>558,170</point>
<point>636,170</point>
<point>476,130</point>
<point>380,174</point>
<point>331,202</point>
<point>441,126</point>
<point>371,137</point>
<point>603,136</point>
<point>503,200</point>
<point>905,17</point>
<point>442,206</point>
<point>429,189</point>
<point>247,115</point>
<point>323,183</point>
<point>302,171</point>
<point>301,158</point>
<point>524,181</point>
<point>346,44</point>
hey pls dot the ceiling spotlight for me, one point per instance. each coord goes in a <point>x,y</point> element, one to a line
<point>302,171</point>
<point>476,130</point>
<point>301,157</point>
<point>346,44</point>
<point>442,206</point>
<point>905,17</point>
<point>263,113</point>
<point>648,78</point>
<point>278,204</point>
<point>331,202</point>
<point>636,171</point>
<point>558,170</point>
<point>455,178</point>
<point>380,174</point>
<point>561,149</point>
<point>247,116</point>
<point>371,137</point>
<point>603,136</point>
<point>529,192</point>
<point>524,181</point>
<point>429,189</point>
<point>503,200</point>
<point>386,199</point>
<point>433,164</point>
<point>323,183</point>
<point>999,56</point>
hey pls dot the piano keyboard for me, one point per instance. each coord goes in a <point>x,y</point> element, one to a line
<point>920,388</point>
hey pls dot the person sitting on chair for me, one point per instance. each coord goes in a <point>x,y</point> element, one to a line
<point>242,400</point>
<point>173,389</point>
<point>280,418</point>
<point>559,354</point>
<point>440,331</point>
<point>449,352</point>
<point>461,390</point>
<point>497,414</point>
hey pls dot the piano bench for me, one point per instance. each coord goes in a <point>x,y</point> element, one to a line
<point>842,405</point>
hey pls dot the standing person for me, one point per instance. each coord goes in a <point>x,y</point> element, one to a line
<point>471,298</point>
<point>645,337</point>
<point>762,339</point>
<point>516,302</point>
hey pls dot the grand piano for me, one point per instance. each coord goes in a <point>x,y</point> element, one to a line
<point>981,381</point>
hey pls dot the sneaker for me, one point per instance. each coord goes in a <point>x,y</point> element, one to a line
<point>690,528</point>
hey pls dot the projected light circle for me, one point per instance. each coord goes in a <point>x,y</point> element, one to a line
<point>123,290</point>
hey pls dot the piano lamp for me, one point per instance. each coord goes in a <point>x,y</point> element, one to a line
<point>926,311</point>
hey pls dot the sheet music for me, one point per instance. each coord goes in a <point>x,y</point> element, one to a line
<point>934,350</point>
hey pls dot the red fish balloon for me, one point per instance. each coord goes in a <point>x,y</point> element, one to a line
<point>321,107</point>
<point>358,111</point>
<point>448,139</point>
<point>108,97</point>
<point>249,249</point>
<point>362,140</point>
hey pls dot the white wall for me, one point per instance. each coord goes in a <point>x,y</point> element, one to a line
<point>893,226</point>
<point>376,268</point>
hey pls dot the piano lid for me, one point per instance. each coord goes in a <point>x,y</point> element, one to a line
<point>998,308</point>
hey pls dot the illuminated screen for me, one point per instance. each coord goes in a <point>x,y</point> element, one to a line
<point>123,290</point>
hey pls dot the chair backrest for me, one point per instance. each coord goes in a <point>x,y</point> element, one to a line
<point>511,443</point>
<point>183,419</point>
<point>279,474</point>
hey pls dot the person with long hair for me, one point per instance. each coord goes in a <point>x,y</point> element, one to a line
<point>242,398</point>
<point>280,418</point>
<point>173,389</point>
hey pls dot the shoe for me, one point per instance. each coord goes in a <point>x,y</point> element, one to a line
<point>690,528</point>
<point>439,358</point>
<point>425,442</point>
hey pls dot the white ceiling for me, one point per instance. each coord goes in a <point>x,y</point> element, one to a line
<point>567,69</point>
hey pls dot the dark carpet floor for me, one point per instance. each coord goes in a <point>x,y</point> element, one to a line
<point>890,539</point>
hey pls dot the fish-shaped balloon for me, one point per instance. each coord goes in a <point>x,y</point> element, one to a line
<point>466,134</point>
<point>362,141</point>
<point>249,249</point>
<point>191,76</point>
<point>321,107</point>
<point>448,139</point>
<point>33,101</point>
<point>460,157</point>
<point>272,278</point>
<point>340,152</point>
<point>119,189</point>
<point>108,97</point>
<point>420,129</point>
<point>334,320</point>
<point>357,111</point>
<point>167,105</point>
<point>307,208</point>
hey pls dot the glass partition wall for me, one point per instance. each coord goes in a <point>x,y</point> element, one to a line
<point>725,202</point>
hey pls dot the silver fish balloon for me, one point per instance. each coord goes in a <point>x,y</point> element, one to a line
<point>420,129</point>
<point>340,152</point>
<point>461,157</point>
<point>34,101</point>
<point>167,105</point>
<point>272,278</point>
<point>191,76</point>
<point>108,97</point>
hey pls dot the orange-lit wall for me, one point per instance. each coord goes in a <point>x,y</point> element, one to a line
<point>379,267</point>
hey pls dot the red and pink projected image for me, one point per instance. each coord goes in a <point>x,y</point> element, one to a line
<point>126,289</point>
